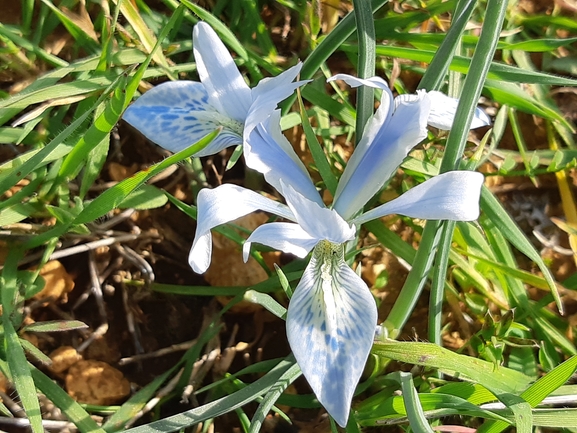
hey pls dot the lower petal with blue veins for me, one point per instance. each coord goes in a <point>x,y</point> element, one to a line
<point>175,115</point>
<point>330,326</point>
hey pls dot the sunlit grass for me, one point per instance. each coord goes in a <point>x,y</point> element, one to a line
<point>69,70</point>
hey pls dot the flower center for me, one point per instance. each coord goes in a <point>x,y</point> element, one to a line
<point>231,124</point>
<point>328,255</point>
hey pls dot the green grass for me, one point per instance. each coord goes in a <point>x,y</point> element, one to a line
<point>59,129</point>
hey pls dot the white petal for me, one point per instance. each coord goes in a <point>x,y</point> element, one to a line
<point>268,151</point>
<point>221,205</point>
<point>226,88</point>
<point>443,109</point>
<point>176,114</point>
<point>330,326</point>
<point>318,221</point>
<point>268,93</point>
<point>287,237</point>
<point>374,82</point>
<point>386,142</point>
<point>449,196</point>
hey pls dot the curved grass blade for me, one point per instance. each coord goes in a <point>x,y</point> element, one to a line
<point>497,379</point>
<point>222,405</point>
<point>366,63</point>
<point>292,374</point>
<point>413,406</point>
<point>112,197</point>
<point>494,210</point>
<point>435,74</point>
<point>538,391</point>
<point>20,375</point>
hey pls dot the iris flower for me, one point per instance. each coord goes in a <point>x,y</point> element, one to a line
<point>332,315</point>
<point>177,114</point>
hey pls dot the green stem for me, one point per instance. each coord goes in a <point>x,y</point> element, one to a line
<point>414,283</point>
<point>435,75</point>
<point>328,46</point>
<point>473,85</point>
<point>438,282</point>
<point>366,66</point>
<point>477,73</point>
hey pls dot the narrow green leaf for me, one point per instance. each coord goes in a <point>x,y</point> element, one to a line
<point>145,197</point>
<point>415,412</point>
<point>73,411</point>
<point>292,374</point>
<point>221,406</point>
<point>265,301</point>
<point>56,145</point>
<point>317,152</point>
<point>366,63</point>
<point>112,197</point>
<point>135,404</point>
<point>97,132</point>
<point>94,163</point>
<point>494,210</point>
<point>20,372</point>
<point>55,326</point>
<point>435,74</point>
<point>496,379</point>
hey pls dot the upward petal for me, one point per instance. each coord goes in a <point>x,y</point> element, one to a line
<point>443,109</point>
<point>386,142</point>
<point>226,88</point>
<point>330,327</point>
<point>268,93</point>
<point>221,205</point>
<point>268,151</point>
<point>448,196</point>
<point>176,115</point>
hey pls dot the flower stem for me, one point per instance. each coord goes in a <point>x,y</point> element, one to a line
<point>480,63</point>
<point>438,282</point>
<point>366,66</point>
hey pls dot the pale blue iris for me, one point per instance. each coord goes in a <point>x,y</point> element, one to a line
<point>332,316</point>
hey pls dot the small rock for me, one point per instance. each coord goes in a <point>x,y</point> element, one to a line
<point>96,382</point>
<point>58,282</point>
<point>63,358</point>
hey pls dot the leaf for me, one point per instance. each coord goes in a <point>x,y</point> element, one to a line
<point>265,301</point>
<point>111,198</point>
<point>20,375</point>
<point>55,326</point>
<point>493,209</point>
<point>317,152</point>
<point>145,197</point>
<point>292,374</point>
<point>222,405</point>
<point>496,379</point>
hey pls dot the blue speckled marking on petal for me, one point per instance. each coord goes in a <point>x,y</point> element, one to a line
<point>331,345</point>
<point>176,115</point>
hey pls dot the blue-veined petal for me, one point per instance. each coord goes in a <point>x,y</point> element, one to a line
<point>388,141</point>
<point>331,322</point>
<point>317,220</point>
<point>449,196</point>
<point>287,237</point>
<point>221,205</point>
<point>177,114</point>
<point>268,151</point>
<point>443,109</point>
<point>268,93</point>
<point>374,82</point>
<point>226,88</point>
